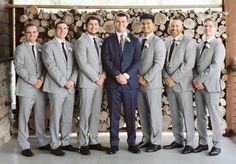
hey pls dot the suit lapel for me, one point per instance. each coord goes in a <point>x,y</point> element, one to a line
<point>30,52</point>
<point>59,49</point>
<point>116,45</point>
<point>92,46</point>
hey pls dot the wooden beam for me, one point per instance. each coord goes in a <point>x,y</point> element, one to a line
<point>116,7</point>
<point>230,7</point>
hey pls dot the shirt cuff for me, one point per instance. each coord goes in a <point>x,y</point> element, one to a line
<point>126,76</point>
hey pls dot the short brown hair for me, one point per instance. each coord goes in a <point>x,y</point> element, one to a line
<point>92,17</point>
<point>30,25</point>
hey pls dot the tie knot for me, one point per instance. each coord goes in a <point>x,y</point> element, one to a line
<point>32,46</point>
<point>174,40</point>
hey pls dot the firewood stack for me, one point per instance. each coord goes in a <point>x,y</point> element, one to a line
<point>193,26</point>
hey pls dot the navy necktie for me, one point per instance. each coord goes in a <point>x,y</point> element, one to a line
<point>64,50</point>
<point>143,43</point>
<point>204,46</point>
<point>34,52</point>
<point>171,49</point>
<point>96,45</point>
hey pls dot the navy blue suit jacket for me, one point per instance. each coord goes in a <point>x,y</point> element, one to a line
<point>116,63</point>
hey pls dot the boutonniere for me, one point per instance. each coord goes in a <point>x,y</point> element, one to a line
<point>70,49</point>
<point>177,42</point>
<point>146,45</point>
<point>208,45</point>
<point>39,50</point>
<point>128,39</point>
<point>100,44</point>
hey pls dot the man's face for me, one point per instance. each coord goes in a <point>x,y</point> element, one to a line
<point>121,24</point>
<point>93,27</point>
<point>175,28</point>
<point>31,34</point>
<point>147,26</point>
<point>61,31</point>
<point>209,29</point>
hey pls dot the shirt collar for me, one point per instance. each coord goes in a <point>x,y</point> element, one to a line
<point>176,38</point>
<point>124,33</point>
<point>147,37</point>
<point>60,40</point>
<point>204,38</point>
<point>91,36</point>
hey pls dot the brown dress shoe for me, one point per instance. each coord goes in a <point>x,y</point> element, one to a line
<point>173,145</point>
<point>45,147</point>
<point>69,148</point>
<point>27,153</point>
<point>58,152</point>
<point>84,150</point>
<point>98,147</point>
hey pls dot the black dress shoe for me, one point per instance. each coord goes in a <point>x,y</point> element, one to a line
<point>200,148</point>
<point>84,150</point>
<point>187,149</point>
<point>98,147</point>
<point>134,149</point>
<point>69,148</point>
<point>214,151</point>
<point>27,153</point>
<point>58,152</point>
<point>143,144</point>
<point>173,145</point>
<point>153,148</point>
<point>112,150</point>
<point>45,147</point>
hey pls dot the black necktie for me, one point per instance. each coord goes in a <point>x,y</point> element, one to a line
<point>96,45</point>
<point>171,49</point>
<point>143,43</point>
<point>34,52</point>
<point>204,46</point>
<point>64,50</point>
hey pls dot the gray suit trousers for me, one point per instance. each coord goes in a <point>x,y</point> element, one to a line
<point>150,112</point>
<point>208,100</point>
<point>181,110</point>
<point>26,106</point>
<point>62,106</point>
<point>90,107</point>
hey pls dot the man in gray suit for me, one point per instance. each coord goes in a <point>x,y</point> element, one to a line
<point>150,80</point>
<point>209,62</point>
<point>178,74</point>
<point>91,79</point>
<point>30,71</point>
<point>59,83</point>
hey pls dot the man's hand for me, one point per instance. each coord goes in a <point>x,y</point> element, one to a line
<point>197,85</point>
<point>38,84</point>
<point>169,81</point>
<point>121,79</point>
<point>69,84</point>
<point>142,81</point>
<point>100,80</point>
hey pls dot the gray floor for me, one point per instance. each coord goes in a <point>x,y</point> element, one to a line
<point>10,154</point>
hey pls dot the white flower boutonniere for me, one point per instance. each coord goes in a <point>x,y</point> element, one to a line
<point>146,45</point>
<point>70,49</point>
<point>177,42</point>
<point>208,45</point>
<point>128,39</point>
<point>39,50</point>
<point>100,44</point>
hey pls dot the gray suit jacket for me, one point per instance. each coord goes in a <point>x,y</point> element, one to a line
<point>181,63</point>
<point>89,62</point>
<point>28,69</point>
<point>59,71</point>
<point>153,58</point>
<point>209,65</point>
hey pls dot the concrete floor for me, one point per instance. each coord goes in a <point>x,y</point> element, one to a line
<point>10,154</point>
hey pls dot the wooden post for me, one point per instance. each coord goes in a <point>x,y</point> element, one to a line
<point>230,7</point>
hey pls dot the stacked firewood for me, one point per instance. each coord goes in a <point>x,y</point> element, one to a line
<point>193,26</point>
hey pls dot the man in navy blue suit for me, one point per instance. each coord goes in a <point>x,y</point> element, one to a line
<point>121,57</point>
